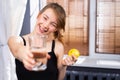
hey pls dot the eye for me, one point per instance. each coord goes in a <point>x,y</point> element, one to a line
<point>45,18</point>
<point>54,25</point>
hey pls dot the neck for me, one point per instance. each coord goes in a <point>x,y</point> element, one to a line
<point>50,37</point>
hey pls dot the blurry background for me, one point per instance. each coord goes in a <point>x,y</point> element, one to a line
<point>107,26</point>
<point>92,26</point>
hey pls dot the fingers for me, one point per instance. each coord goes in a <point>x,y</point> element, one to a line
<point>28,66</point>
<point>74,58</point>
<point>29,61</point>
<point>69,60</point>
<point>48,56</point>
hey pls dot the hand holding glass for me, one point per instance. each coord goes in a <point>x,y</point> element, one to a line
<point>38,48</point>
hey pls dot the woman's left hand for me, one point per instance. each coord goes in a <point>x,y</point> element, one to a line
<point>69,60</point>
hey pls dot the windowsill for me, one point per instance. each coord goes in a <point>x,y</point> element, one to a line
<point>86,61</point>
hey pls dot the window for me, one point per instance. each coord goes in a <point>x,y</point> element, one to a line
<point>108,27</point>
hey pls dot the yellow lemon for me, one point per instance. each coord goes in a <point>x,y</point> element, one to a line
<point>74,52</point>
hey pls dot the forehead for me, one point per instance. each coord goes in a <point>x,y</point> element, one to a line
<point>50,14</point>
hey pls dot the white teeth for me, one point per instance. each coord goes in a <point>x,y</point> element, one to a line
<point>45,30</point>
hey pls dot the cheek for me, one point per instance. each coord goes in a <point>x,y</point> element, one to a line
<point>39,20</point>
<point>36,29</point>
<point>52,29</point>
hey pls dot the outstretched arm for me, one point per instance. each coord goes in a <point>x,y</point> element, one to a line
<point>21,52</point>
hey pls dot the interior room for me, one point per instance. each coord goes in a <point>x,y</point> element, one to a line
<point>92,27</point>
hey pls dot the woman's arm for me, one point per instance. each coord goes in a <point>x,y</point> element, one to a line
<point>59,50</point>
<point>21,52</point>
<point>15,43</point>
<point>63,63</point>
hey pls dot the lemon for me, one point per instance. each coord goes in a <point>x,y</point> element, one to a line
<point>74,52</point>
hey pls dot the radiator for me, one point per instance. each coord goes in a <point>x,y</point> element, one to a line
<point>75,75</point>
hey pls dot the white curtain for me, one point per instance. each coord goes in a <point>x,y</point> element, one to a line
<point>11,19</point>
<point>34,9</point>
<point>35,6</point>
<point>42,3</point>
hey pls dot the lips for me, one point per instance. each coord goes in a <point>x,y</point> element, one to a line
<point>43,30</point>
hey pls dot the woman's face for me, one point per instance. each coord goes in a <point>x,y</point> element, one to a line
<point>46,22</point>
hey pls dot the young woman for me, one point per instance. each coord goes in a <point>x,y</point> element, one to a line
<point>50,22</point>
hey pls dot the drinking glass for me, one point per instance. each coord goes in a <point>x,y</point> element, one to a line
<point>38,48</point>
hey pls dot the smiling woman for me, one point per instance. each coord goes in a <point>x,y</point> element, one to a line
<point>50,22</point>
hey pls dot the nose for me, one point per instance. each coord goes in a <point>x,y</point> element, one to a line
<point>46,29</point>
<point>46,26</point>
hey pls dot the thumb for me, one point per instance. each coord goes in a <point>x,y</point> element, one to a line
<point>48,56</point>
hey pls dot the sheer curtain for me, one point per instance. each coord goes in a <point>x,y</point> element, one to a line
<point>35,6</point>
<point>11,19</point>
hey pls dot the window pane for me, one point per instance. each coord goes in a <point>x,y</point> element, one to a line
<point>108,26</point>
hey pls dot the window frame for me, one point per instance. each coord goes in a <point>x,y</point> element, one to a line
<point>92,24</point>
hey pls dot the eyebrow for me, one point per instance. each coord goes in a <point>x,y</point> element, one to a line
<point>45,15</point>
<point>52,21</point>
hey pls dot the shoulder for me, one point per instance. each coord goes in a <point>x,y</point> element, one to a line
<point>58,44</point>
<point>16,39</point>
<point>59,47</point>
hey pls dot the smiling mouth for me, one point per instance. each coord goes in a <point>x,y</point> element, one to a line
<point>43,30</point>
